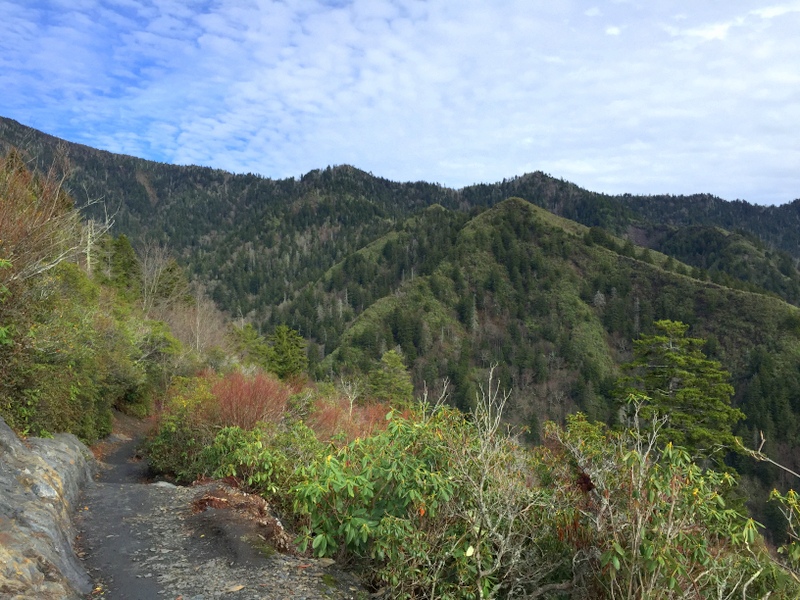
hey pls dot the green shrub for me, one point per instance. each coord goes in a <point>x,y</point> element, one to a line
<point>201,431</point>
<point>185,428</point>
<point>440,506</point>
<point>58,366</point>
<point>435,506</point>
<point>266,458</point>
<point>789,506</point>
<point>651,523</point>
<point>391,474</point>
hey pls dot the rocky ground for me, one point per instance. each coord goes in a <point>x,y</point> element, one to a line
<point>141,540</point>
<point>40,483</point>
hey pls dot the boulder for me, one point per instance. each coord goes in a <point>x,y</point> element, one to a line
<point>40,484</point>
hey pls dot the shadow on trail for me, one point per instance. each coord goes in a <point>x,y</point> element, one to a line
<point>111,536</point>
<point>150,541</point>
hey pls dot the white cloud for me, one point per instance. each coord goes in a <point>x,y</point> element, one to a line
<point>778,10</point>
<point>450,92</point>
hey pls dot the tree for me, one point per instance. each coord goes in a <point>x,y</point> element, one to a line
<point>351,388</point>
<point>390,381</point>
<point>684,385</point>
<point>206,322</point>
<point>39,225</point>
<point>163,282</point>
<point>288,354</point>
<point>125,269</point>
<point>251,347</point>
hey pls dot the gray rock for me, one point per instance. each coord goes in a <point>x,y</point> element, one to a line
<point>40,482</point>
<point>164,484</point>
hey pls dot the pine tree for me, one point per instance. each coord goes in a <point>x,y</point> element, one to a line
<point>391,381</point>
<point>126,271</point>
<point>288,352</point>
<point>684,385</point>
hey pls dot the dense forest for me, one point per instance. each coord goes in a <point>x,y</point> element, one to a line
<point>178,278</point>
<point>359,264</point>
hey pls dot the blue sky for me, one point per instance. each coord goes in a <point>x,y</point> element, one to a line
<point>627,96</point>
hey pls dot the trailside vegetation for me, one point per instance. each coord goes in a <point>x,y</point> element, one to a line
<point>71,348</point>
<point>429,502</point>
<point>427,499</point>
<point>88,324</point>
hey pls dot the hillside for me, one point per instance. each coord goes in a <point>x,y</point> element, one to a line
<point>556,306</point>
<point>551,302</point>
<point>349,259</point>
<point>256,242</point>
<point>397,287</point>
<point>736,259</point>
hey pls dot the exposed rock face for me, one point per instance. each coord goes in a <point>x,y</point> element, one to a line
<point>40,481</point>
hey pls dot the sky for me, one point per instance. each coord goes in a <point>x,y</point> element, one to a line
<point>643,97</point>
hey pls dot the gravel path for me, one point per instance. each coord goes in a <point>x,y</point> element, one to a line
<point>142,541</point>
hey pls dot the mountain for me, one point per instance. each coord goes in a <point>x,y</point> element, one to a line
<point>549,281</point>
<point>257,241</point>
<point>319,251</point>
<point>736,259</point>
<point>554,303</point>
<point>330,253</point>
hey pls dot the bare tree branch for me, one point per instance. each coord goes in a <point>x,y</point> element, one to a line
<point>40,226</point>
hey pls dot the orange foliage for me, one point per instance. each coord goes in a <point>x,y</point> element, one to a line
<point>332,417</point>
<point>236,399</point>
<point>245,400</point>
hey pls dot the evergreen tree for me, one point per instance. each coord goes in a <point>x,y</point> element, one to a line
<point>253,349</point>
<point>288,352</point>
<point>126,272</point>
<point>391,381</point>
<point>692,391</point>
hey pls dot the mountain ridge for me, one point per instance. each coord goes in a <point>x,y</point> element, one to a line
<point>532,273</point>
<point>191,208</point>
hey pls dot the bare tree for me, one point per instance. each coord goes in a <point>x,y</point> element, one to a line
<point>501,518</point>
<point>163,284</point>
<point>505,508</point>
<point>351,388</point>
<point>197,323</point>
<point>40,225</point>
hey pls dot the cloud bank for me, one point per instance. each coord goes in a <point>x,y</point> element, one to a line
<point>639,97</point>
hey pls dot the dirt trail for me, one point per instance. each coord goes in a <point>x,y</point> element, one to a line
<point>141,541</point>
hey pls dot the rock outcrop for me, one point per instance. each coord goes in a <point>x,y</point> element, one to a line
<point>40,483</point>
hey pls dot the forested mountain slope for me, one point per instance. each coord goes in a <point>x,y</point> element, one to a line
<point>260,244</point>
<point>255,241</point>
<point>552,285</point>
<point>555,304</point>
<point>735,259</point>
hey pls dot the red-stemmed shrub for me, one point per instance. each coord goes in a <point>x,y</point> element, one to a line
<point>244,400</point>
<point>332,417</point>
